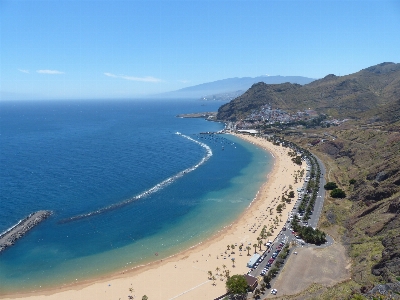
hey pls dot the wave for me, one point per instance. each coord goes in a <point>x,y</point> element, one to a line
<point>150,191</point>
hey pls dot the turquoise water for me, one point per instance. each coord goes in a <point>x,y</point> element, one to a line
<point>78,157</point>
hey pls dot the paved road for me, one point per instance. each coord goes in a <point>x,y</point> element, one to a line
<point>319,203</point>
<point>287,236</point>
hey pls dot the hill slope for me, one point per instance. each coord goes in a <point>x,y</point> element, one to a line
<point>361,155</point>
<point>338,96</point>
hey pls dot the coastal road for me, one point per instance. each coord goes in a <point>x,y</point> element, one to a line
<point>287,236</point>
<point>319,203</point>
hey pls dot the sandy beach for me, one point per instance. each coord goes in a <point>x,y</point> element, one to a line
<point>185,275</point>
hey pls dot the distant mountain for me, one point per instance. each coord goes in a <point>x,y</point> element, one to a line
<point>230,85</point>
<point>338,96</point>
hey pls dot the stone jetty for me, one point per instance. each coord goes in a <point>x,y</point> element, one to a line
<point>211,116</point>
<point>8,237</point>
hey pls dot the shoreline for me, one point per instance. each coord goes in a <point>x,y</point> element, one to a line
<point>197,260</point>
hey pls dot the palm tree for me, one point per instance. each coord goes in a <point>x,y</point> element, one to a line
<point>217,269</point>
<point>209,274</point>
<point>260,243</point>
<point>248,250</point>
<point>263,286</point>
<point>240,247</point>
<point>131,290</point>
<point>265,236</point>
<point>255,248</point>
<point>224,267</point>
<point>145,297</point>
<point>233,261</point>
<point>228,247</point>
<point>213,279</point>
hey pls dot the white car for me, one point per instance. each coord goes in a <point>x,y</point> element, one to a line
<point>274,291</point>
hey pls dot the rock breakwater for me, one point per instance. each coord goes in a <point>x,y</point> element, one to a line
<point>9,237</point>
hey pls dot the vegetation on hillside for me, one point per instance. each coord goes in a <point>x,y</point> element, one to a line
<point>330,186</point>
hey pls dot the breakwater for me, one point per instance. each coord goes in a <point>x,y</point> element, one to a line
<point>11,235</point>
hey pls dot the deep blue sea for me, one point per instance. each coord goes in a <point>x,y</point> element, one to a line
<point>122,184</point>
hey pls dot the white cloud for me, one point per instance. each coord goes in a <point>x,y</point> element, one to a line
<point>184,81</point>
<point>110,75</point>
<point>24,71</point>
<point>142,79</point>
<point>52,72</point>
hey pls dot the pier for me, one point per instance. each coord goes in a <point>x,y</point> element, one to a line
<point>11,235</point>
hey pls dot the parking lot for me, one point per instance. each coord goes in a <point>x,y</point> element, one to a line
<point>287,235</point>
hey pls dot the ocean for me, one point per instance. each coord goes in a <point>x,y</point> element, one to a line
<point>125,189</point>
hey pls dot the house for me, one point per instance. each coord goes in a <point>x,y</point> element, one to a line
<point>248,131</point>
<point>251,281</point>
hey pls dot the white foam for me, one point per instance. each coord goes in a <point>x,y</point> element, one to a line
<point>152,190</point>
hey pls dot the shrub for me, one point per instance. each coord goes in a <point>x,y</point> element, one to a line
<point>297,160</point>
<point>330,186</point>
<point>352,181</point>
<point>338,193</point>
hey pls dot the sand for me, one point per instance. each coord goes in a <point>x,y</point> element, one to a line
<point>185,275</point>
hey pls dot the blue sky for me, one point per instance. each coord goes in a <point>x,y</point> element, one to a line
<point>118,49</point>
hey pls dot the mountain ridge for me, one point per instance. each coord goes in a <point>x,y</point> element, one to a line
<point>339,96</point>
<point>230,85</point>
